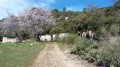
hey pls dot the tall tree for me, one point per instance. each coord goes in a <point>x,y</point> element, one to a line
<point>56,10</point>
<point>64,9</point>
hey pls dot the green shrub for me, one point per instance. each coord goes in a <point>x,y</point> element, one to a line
<point>105,53</point>
<point>87,49</point>
<point>91,52</point>
<point>80,46</point>
<point>70,39</point>
<point>110,52</point>
<point>74,50</point>
<point>91,56</point>
<point>57,30</point>
<point>62,40</point>
<point>82,41</point>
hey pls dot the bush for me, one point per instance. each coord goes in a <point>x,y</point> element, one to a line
<point>105,53</point>
<point>62,40</point>
<point>69,39</point>
<point>110,52</point>
<point>57,30</point>
<point>114,29</point>
<point>106,33</point>
<point>80,45</point>
<point>87,49</point>
<point>91,56</point>
<point>91,52</point>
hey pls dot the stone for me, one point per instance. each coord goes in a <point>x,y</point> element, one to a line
<point>48,38</point>
<point>11,40</point>
<point>31,44</point>
<point>62,35</point>
<point>67,51</point>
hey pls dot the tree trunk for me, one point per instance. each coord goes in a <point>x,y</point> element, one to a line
<point>51,37</point>
<point>37,37</point>
<point>20,38</point>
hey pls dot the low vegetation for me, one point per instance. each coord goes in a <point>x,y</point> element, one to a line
<point>103,53</point>
<point>19,54</point>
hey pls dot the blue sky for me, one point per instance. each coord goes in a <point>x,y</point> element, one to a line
<point>16,6</point>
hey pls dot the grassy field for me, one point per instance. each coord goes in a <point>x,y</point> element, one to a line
<point>19,54</point>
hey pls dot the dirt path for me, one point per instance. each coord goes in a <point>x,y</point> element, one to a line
<point>52,56</point>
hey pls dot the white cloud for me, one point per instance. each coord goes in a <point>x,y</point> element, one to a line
<point>12,6</point>
<point>75,8</point>
<point>15,6</point>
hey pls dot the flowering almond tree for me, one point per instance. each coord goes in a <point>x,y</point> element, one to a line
<point>11,27</point>
<point>33,20</point>
<point>36,19</point>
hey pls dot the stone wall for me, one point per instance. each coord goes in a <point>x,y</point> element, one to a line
<point>54,36</point>
<point>11,40</point>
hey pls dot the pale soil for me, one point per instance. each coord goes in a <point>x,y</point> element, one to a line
<point>52,56</point>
